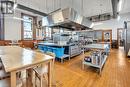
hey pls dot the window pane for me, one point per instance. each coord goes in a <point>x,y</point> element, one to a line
<point>27,35</point>
<point>27,26</point>
<point>48,32</point>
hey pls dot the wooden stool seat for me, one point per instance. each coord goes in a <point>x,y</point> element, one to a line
<point>41,70</point>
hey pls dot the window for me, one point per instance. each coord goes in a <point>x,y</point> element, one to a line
<point>48,32</point>
<point>6,7</point>
<point>27,27</point>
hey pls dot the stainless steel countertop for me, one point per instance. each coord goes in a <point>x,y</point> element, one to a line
<point>96,46</point>
<point>54,44</point>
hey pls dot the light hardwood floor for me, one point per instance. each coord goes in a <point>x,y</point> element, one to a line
<point>116,72</point>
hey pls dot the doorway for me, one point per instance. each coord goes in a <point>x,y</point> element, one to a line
<point>120,37</point>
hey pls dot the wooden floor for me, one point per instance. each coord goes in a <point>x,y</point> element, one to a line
<point>116,72</point>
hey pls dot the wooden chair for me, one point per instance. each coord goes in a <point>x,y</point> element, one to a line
<point>41,72</point>
<point>2,43</point>
<point>27,44</point>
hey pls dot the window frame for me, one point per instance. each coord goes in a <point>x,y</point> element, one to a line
<point>33,27</point>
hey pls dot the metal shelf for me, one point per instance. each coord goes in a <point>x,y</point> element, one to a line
<point>102,60</point>
<point>94,65</point>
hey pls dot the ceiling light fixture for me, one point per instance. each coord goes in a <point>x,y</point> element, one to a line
<point>120,5</point>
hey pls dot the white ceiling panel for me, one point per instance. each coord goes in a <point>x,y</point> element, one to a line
<point>96,7</point>
<point>125,6</point>
<point>66,3</point>
<point>77,5</point>
<point>90,7</point>
<point>40,5</point>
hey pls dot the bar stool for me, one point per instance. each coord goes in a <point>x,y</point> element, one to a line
<point>42,71</point>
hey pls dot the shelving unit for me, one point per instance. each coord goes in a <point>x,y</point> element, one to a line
<point>101,58</point>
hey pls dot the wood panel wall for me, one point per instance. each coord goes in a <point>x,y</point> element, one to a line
<point>24,43</point>
<point>4,42</point>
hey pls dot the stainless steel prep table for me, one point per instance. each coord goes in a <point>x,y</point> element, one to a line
<point>98,47</point>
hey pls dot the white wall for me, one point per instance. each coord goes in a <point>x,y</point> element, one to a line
<point>114,24</point>
<point>13,26</point>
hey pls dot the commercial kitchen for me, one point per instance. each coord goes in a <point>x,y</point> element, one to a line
<point>64,43</point>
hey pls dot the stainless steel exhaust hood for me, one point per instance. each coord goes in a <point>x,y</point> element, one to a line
<point>67,18</point>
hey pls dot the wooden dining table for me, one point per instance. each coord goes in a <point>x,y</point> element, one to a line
<point>16,59</point>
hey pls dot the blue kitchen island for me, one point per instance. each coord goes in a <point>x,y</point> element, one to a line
<point>61,51</point>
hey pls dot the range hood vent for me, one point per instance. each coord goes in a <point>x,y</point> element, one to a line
<point>67,18</point>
